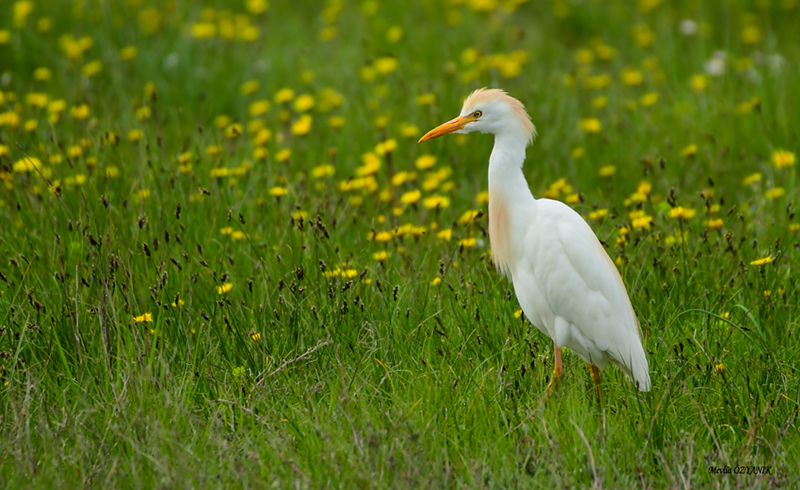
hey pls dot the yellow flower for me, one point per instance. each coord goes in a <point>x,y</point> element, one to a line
<point>74,151</point>
<point>590,125</point>
<point>518,314</point>
<point>380,256</point>
<point>262,136</point>
<point>385,147</point>
<point>385,65</point>
<point>752,179</point>
<point>573,198</point>
<point>783,158</point>
<point>720,368</point>
<point>249,87</point>
<point>257,7</point>
<point>679,212</point>
<point>607,171</point>
<point>5,36</point>
<point>642,222</point>
<point>409,130</point>
<point>584,56</point>
<point>468,216</point>
<point>698,82</point>
<point>213,150</point>
<point>226,231</point>
<point>764,261</point>
<point>445,235</point>
<point>411,197</point>
<point>381,236</point>
<point>134,135</point>
<point>794,227</point>
<point>298,215</point>
<point>394,34</point>
<point>751,34</point>
<point>425,162</point>
<point>26,164</point>
<point>714,224</point>
<point>643,35</point>
<point>597,81</point>
<point>278,191</point>
<point>42,74</point>
<point>144,318</point>
<point>426,99</point>
<point>482,197</point>
<point>600,102</point>
<point>467,242</point>
<point>80,112</point>
<point>259,108</point>
<point>22,9</point>
<point>303,103</point>
<point>649,99</point>
<point>436,202</point>
<point>631,76</point>
<point>401,177</point>
<point>256,337</point>
<point>436,281</point>
<point>225,288</point>
<point>302,125</point>
<point>371,164</point>
<point>284,95</point>
<point>204,30</point>
<point>128,53</point>
<point>234,130</point>
<point>178,304</point>
<point>91,68</point>
<point>322,171</point>
<point>599,214</point>
<point>689,151</point>
<point>774,193</point>
<point>184,157</point>
<point>336,121</point>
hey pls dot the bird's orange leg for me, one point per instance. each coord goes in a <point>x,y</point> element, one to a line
<point>558,370</point>
<point>598,390</point>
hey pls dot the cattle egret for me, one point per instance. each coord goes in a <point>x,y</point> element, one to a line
<point>563,278</point>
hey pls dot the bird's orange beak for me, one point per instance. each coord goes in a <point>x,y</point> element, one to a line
<point>448,127</point>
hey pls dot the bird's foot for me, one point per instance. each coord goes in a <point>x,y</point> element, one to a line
<point>558,373</point>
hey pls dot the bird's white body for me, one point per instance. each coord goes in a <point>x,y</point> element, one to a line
<point>564,280</point>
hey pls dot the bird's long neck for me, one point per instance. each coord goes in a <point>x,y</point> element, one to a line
<point>509,198</point>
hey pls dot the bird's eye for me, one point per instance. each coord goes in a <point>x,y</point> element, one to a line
<point>477,114</point>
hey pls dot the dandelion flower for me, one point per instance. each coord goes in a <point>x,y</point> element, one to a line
<point>679,212</point>
<point>225,288</point>
<point>783,158</point>
<point>590,125</point>
<point>763,261</point>
<point>411,197</point>
<point>775,193</point>
<point>144,318</point>
<point>436,202</point>
<point>752,179</point>
<point>467,242</point>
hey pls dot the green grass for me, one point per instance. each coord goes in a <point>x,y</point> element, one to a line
<point>379,377</point>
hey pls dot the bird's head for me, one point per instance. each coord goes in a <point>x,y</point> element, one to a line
<point>489,110</point>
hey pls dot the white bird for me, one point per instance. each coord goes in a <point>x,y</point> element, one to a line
<point>564,280</point>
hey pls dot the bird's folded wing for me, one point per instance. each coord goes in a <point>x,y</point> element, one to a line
<point>583,285</point>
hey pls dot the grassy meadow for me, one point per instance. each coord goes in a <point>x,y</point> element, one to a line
<point>226,261</point>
